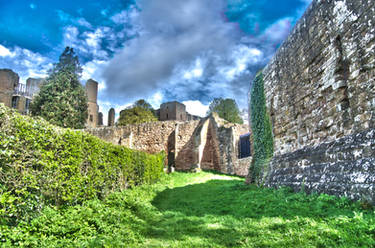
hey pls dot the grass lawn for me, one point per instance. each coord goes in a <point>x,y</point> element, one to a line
<point>201,210</point>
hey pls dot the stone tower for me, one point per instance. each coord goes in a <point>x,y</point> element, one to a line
<point>173,111</point>
<point>92,95</point>
<point>100,119</point>
<point>8,83</point>
<point>111,117</point>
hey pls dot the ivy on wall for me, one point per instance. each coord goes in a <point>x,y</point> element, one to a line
<point>262,139</point>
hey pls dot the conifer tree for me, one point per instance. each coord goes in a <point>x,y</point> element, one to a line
<point>62,99</point>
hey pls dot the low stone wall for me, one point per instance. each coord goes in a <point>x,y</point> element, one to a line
<point>345,167</point>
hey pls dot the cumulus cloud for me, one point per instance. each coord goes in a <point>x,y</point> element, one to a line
<point>4,52</point>
<point>24,62</point>
<point>188,50</point>
<point>172,32</point>
<point>196,107</point>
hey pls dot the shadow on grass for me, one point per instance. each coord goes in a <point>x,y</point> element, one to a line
<point>228,213</point>
<point>232,197</point>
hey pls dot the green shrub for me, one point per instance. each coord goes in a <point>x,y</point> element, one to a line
<point>262,139</point>
<point>41,164</point>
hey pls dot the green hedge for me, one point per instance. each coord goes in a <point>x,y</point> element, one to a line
<point>41,164</point>
<point>262,138</point>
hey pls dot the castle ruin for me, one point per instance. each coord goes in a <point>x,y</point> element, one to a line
<point>19,96</point>
<point>207,144</point>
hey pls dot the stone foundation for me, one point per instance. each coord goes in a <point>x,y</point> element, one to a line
<point>345,167</point>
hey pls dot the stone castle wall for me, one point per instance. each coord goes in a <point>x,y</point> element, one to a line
<point>207,144</point>
<point>320,87</point>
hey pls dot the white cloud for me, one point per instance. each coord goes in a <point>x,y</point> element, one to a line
<point>195,72</point>
<point>156,100</point>
<point>24,62</point>
<point>196,107</point>
<point>92,69</point>
<point>278,31</point>
<point>84,23</point>
<point>4,52</point>
<point>242,57</point>
<point>125,16</point>
<point>173,33</point>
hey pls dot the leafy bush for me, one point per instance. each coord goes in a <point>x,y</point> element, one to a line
<point>41,164</point>
<point>136,115</point>
<point>261,131</point>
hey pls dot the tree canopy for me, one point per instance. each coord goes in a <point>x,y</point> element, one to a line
<point>62,99</point>
<point>68,61</point>
<point>140,112</point>
<point>226,109</point>
<point>143,104</point>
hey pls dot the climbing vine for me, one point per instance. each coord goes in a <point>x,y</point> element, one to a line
<point>261,132</point>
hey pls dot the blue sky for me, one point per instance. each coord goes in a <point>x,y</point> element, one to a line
<point>160,50</point>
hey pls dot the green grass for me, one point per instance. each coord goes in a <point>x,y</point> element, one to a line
<point>200,210</point>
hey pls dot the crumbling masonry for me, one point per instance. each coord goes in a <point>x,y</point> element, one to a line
<point>320,90</point>
<point>208,144</point>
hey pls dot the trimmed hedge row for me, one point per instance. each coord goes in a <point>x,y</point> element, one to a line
<point>41,164</point>
<point>261,127</point>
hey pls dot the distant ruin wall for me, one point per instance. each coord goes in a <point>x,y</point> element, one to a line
<point>148,137</point>
<point>8,82</point>
<point>207,144</point>
<point>320,87</point>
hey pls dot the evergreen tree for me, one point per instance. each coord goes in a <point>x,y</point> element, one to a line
<point>62,99</point>
<point>226,109</point>
<point>68,61</point>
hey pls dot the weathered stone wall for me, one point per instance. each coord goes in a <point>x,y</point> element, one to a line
<point>228,136</point>
<point>345,167</point>
<point>209,144</point>
<point>186,145</point>
<point>149,137</point>
<point>8,82</point>
<point>320,87</point>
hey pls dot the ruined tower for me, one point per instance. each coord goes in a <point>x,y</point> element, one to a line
<point>100,119</point>
<point>173,111</point>
<point>9,80</point>
<point>92,95</point>
<point>111,117</point>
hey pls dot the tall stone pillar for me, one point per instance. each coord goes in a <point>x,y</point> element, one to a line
<point>100,119</point>
<point>111,117</point>
<point>92,95</point>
